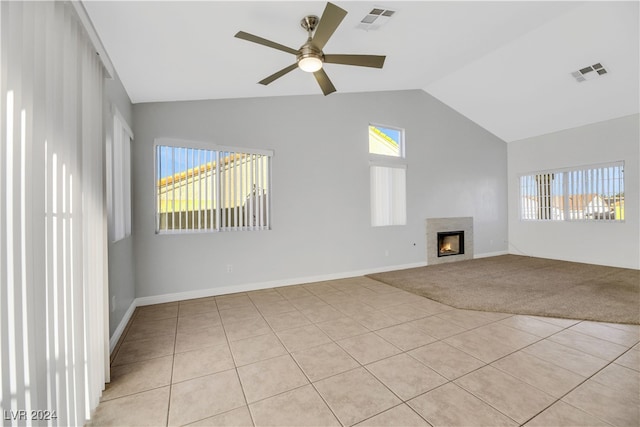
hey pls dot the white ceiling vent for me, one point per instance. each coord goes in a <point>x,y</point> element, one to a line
<point>589,73</point>
<point>376,18</point>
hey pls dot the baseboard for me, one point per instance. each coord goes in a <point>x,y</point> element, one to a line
<point>203,293</point>
<point>113,341</point>
<point>576,260</point>
<point>490,254</point>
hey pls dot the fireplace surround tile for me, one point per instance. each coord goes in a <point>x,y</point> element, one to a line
<point>435,225</point>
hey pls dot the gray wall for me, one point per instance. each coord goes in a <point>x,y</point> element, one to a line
<point>614,244</point>
<point>121,256</point>
<point>320,198</point>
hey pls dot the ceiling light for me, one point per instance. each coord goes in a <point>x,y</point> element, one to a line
<point>310,64</point>
<point>309,58</point>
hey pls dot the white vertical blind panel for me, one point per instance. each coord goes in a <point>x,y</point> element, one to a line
<point>388,195</point>
<point>268,190</point>
<point>173,189</point>
<point>245,180</point>
<point>252,197</point>
<point>118,180</point>
<point>126,191</point>
<point>223,189</point>
<point>217,189</point>
<point>256,194</point>
<point>94,292</point>
<point>53,219</point>
<point>399,196</point>
<point>379,191</point>
<point>235,190</point>
<point>159,201</point>
<point>202,180</point>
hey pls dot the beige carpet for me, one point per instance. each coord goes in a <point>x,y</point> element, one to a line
<point>526,285</point>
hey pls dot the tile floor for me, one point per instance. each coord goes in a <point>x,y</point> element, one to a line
<point>358,352</point>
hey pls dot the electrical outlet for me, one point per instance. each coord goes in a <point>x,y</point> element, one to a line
<point>229,268</point>
<point>386,252</point>
<point>113,303</point>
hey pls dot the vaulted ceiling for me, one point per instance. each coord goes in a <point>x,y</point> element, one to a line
<point>505,65</point>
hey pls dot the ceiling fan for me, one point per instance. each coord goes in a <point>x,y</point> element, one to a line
<point>310,57</point>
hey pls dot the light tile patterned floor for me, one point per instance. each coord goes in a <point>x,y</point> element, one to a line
<point>358,352</point>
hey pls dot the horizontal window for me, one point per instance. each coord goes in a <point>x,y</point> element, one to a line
<point>590,193</point>
<point>205,189</point>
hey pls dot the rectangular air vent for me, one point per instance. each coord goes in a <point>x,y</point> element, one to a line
<point>376,18</point>
<point>589,73</point>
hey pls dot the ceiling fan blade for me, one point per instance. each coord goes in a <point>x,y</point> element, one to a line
<point>331,18</point>
<point>259,40</point>
<point>374,61</point>
<point>324,82</point>
<point>278,74</point>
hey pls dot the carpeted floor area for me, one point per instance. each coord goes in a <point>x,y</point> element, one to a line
<point>526,285</point>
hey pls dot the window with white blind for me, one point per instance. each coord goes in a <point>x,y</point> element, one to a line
<point>202,188</point>
<point>388,195</point>
<point>588,193</point>
<point>388,176</point>
<point>119,178</point>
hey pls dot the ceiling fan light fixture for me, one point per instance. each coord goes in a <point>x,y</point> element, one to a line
<point>310,64</point>
<point>309,57</point>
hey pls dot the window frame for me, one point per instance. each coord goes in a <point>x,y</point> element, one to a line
<point>386,157</point>
<point>118,182</point>
<point>209,146</point>
<point>387,161</point>
<point>565,214</point>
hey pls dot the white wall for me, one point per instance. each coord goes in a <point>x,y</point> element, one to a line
<point>614,244</point>
<point>320,199</point>
<point>121,257</point>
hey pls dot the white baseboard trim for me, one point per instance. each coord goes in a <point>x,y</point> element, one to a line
<point>203,293</point>
<point>490,254</point>
<point>121,326</point>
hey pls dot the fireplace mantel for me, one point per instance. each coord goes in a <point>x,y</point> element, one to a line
<point>435,225</point>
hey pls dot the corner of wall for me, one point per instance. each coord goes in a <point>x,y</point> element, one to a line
<point>121,254</point>
<point>119,330</point>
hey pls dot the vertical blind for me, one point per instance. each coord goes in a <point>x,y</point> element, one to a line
<point>118,164</point>
<point>388,195</point>
<point>202,189</point>
<point>588,193</point>
<point>54,336</point>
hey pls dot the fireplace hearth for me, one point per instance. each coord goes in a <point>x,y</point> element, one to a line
<point>450,243</point>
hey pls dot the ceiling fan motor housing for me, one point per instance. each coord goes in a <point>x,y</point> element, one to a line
<point>309,57</point>
<point>308,50</point>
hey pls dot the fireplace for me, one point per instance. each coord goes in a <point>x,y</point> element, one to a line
<point>450,243</point>
<point>440,231</point>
